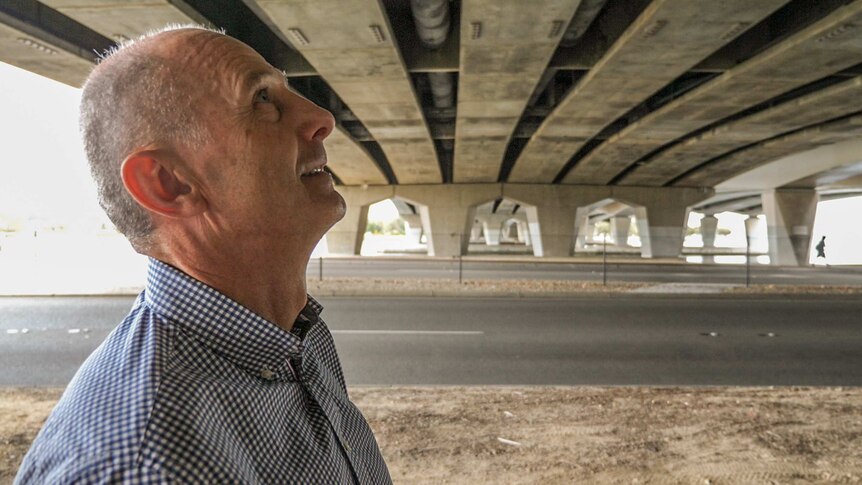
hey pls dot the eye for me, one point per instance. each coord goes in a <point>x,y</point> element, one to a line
<point>262,96</point>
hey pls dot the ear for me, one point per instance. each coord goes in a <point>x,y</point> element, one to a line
<point>153,182</point>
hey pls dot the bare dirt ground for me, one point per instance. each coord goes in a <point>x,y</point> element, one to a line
<point>553,435</point>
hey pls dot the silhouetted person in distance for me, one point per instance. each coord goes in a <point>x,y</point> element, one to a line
<point>821,248</point>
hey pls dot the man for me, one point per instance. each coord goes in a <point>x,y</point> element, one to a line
<point>223,372</point>
<point>821,248</point>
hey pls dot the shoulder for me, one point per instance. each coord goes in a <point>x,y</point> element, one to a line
<point>99,423</point>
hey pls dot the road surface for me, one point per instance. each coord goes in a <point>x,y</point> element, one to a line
<point>627,340</point>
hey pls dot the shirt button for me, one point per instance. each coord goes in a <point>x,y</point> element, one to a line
<point>266,373</point>
<point>344,443</point>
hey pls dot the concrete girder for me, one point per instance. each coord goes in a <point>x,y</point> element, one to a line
<point>120,19</point>
<point>833,102</point>
<point>352,46</point>
<point>821,49</point>
<point>742,202</point>
<point>666,40</point>
<point>836,181</point>
<point>762,153</point>
<point>500,68</point>
<point>124,19</point>
<point>345,237</point>
<point>350,162</point>
<point>795,168</point>
<point>22,50</point>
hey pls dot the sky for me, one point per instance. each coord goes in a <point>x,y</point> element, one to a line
<point>44,174</point>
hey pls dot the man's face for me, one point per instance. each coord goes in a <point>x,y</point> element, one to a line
<point>261,172</point>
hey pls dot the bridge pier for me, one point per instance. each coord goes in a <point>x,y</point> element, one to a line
<point>708,227</point>
<point>447,213</point>
<point>789,223</point>
<point>346,235</point>
<point>620,230</point>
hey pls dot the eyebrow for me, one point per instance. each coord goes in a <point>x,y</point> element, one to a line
<point>255,79</point>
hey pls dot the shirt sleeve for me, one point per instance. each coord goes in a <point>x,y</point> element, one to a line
<point>99,471</point>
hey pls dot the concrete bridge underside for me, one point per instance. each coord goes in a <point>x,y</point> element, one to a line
<point>572,110</point>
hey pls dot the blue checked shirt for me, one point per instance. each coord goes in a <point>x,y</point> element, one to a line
<point>192,387</point>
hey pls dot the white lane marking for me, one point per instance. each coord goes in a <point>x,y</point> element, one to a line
<point>410,332</point>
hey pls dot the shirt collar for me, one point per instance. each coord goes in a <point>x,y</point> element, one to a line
<point>222,324</point>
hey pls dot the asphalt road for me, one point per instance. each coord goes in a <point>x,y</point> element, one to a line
<point>620,272</point>
<point>603,341</point>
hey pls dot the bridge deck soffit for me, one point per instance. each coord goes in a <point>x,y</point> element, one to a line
<point>352,46</point>
<point>819,50</point>
<point>505,49</point>
<point>836,101</point>
<point>666,40</point>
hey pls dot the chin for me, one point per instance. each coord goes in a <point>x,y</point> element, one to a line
<point>339,208</point>
<point>330,209</point>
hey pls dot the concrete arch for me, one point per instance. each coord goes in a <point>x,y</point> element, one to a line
<point>492,220</point>
<point>345,237</point>
<point>618,213</point>
<point>447,213</point>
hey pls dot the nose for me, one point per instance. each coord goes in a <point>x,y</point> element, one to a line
<point>317,122</point>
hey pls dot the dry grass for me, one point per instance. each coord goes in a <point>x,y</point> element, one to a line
<point>579,434</point>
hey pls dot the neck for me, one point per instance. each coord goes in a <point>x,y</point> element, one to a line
<point>268,281</point>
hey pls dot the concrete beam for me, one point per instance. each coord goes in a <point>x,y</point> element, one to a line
<point>350,161</point>
<point>666,40</point>
<point>42,40</point>
<point>125,19</point>
<point>819,50</point>
<point>353,47</point>
<point>505,48</point>
<point>818,107</point>
<point>792,149</point>
<point>785,170</point>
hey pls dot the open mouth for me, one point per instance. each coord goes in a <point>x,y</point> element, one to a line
<point>315,171</point>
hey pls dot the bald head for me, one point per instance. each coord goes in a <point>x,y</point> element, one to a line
<point>140,96</point>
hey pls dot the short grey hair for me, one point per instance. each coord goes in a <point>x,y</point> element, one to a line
<point>133,99</point>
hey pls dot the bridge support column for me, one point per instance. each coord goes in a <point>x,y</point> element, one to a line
<point>660,216</point>
<point>492,226</point>
<point>523,232</point>
<point>708,227</point>
<point>447,213</point>
<point>752,226</point>
<point>620,230</point>
<point>414,227</point>
<point>789,223</point>
<point>346,235</point>
<point>551,211</point>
